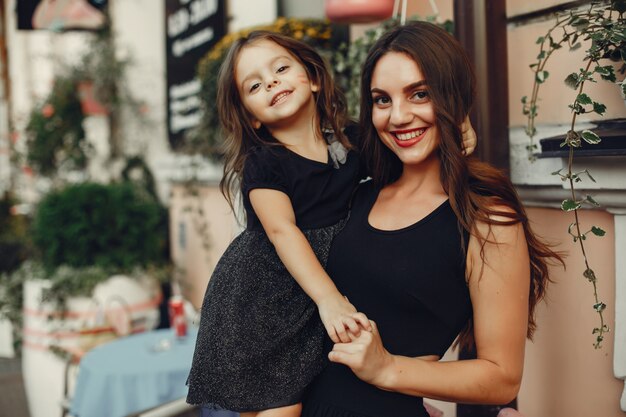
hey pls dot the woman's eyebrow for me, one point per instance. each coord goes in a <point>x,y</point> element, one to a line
<point>406,89</point>
<point>411,87</point>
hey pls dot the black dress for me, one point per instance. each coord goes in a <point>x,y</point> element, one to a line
<point>260,341</point>
<point>411,283</point>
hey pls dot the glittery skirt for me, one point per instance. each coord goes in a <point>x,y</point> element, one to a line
<point>260,341</point>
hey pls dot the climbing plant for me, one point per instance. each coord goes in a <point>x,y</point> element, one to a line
<point>602,27</point>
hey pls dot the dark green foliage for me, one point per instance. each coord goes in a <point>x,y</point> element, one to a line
<point>14,248</point>
<point>55,129</point>
<point>116,227</point>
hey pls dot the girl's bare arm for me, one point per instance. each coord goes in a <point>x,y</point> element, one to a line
<point>274,210</point>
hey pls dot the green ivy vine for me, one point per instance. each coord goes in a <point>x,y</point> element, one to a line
<point>602,24</point>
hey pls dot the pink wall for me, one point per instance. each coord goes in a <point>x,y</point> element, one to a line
<point>564,376</point>
<point>195,262</point>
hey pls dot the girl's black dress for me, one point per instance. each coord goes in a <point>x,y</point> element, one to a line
<point>411,282</point>
<point>260,341</point>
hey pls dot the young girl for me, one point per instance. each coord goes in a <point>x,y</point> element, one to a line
<point>260,341</point>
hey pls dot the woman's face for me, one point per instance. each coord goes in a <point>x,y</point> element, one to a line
<point>402,111</point>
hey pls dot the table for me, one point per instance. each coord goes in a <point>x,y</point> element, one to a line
<point>133,374</point>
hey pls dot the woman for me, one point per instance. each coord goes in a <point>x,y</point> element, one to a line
<point>437,245</point>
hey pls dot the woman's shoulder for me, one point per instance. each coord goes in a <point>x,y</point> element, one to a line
<point>364,192</point>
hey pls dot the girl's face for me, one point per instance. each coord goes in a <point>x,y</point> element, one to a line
<point>274,87</point>
<point>402,112</point>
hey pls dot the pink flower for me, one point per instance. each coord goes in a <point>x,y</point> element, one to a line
<point>47,110</point>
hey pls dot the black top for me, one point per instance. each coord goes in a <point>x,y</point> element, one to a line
<point>411,282</point>
<point>320,193</point>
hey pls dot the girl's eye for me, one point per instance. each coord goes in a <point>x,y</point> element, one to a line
<point>254,86</point>
<point>282,69</point>
<point>420,95</point>
<point>381,100</point>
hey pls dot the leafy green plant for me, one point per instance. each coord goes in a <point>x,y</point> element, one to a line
<point>115,226</point>
<point>102,66</point>
<point>12,299</point>
<point>603,25</point>
<point>55,134</point>
<point>14,244</point>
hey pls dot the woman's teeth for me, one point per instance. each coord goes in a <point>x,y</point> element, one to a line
<point>409,135</point>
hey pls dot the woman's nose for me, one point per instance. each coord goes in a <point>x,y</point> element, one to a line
<point>400,114</point>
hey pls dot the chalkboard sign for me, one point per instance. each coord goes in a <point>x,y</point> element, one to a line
<point>192,28</point>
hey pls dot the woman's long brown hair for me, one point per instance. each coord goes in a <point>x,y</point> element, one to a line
<point>475,189</point>
<point>240,135</point>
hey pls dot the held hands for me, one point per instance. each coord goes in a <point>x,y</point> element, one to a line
<point>366,356</point>
<point>341,319</point>
<point>469,137</point>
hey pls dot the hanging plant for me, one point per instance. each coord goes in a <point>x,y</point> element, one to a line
<point>603,26</point>
<point>55,134</point>
<point>95,86</point>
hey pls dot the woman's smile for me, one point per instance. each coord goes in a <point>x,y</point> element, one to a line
<point>409,137</point>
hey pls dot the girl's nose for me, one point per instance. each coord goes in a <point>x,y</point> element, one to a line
<point>272,84</point>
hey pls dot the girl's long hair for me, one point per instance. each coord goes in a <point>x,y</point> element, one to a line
<point>475,189</point>
<point>240,135</point>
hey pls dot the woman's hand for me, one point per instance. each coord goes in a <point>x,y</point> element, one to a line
<point>366,356</point>
<point>340,318</point>
<point>469,137</point>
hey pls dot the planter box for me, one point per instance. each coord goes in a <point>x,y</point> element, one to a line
<point>120,305</point>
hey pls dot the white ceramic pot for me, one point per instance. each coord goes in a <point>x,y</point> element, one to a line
<point>128,304</point>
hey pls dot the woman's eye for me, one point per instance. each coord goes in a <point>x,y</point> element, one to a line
<point>420,95</point>
<point>254,86</point>
<point>381,100</point>
<point>283,68</point>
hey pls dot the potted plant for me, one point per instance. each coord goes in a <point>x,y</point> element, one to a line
<point>116,227</point>
<point>100,252</point>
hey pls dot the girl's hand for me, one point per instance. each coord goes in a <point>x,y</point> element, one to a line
<point>469,137</point>
<point>366,356</point>
<point>341,319</point>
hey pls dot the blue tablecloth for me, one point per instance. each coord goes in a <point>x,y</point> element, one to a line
<point>132,374</point>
